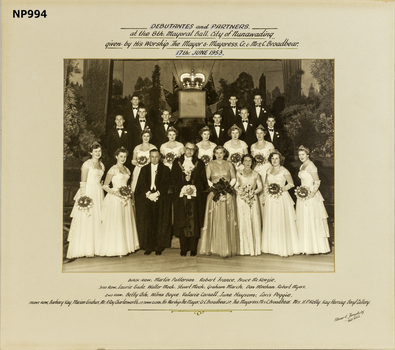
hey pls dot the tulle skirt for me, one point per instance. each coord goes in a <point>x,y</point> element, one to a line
<point>219,234</point>
<point>279,232</point>
<point>84,235</point>
<point>119,233</point>
<point>250,228</point>
<point>312,225</point>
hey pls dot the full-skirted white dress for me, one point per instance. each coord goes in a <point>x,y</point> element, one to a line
<point>84,235</point>
<point>249,216</point>
<point>312,217</point>
<point>231,150</point>
<point>262,167</point>
<point>279,232</point>
<point>119,234</point>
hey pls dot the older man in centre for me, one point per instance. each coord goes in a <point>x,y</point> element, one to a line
<point>190,185</point>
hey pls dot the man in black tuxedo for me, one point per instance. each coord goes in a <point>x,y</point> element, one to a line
<point>139,124</point>
<point>130,112</point>
<point>190,185</point>
<point>259,112</point>
<point>118,137</point>
<point>230,113</point>
<point>219,134</point>
<point>247,128</point>
<point>160,136</point>
<point>273,135</point>
<point>153,218</point>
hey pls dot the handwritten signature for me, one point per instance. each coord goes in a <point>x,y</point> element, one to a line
<point>350,316</point>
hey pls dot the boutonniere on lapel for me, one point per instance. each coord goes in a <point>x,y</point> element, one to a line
<point>156,172</point>
<point>277,134</point>
<point>125,132</point>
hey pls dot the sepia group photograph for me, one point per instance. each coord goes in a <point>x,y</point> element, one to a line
<point>198,165</point>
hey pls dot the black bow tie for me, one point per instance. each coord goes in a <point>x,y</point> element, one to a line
<point>257,106</point>
<point>245,121</point>
<point>217,125</point>
<point>271,130</point>
<point>135,108</point>
<point>119,128</point>
<point>142,120</point>
<point>167,123</point>
<point>233,107</point>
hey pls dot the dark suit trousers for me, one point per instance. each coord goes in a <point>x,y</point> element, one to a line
<point>152,227</point>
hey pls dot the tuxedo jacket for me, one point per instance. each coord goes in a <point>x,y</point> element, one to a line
<point>160,136</point>
<point>114,141</point>
<point>229,117</point>
<point>128,115</point>
<point>258,119</point>
<point>223,135</point>
<point>136,131</point>
<point>277,141</point>
<point>248,136</point>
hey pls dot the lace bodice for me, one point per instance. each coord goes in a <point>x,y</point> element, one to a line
<point>141,153</point>
<point>253,179</point>
<point>264,151</point>
<point>119,179</point>
<point>279,178</point>
<point>208,152</point>
<point>240,149</point>
<point>94,175</point>
<point>178,150</point>
<point>305,176</point>
<point>219,170</point>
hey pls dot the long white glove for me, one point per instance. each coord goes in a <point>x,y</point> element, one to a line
<point>316,186</point>
<point>232,182</point>
<point>110,190</point>
<point>83,189</point>
<point>288,187</point>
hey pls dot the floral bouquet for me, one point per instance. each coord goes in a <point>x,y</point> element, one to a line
<point>235,158</point>
<point>142,160</point>
<point>125,192</point>
<point>247,194</point>
<point>274,190</point>
<point>303,193</point>
<point>84,203</point>
<point>206,159</point>
<point>189,191</point>
<point>170,157</point>
<point>260,159</point>
<point>220,189</point>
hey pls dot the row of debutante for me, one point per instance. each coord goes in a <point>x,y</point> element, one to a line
<point>224,200</point>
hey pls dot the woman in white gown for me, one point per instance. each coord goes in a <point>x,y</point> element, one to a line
<point>141,155</point>
<point>235,146</point>
<point>279,232</point>
<point>85,226</point>
<point>311,214</point>
<point>205,147</point>
<point>260,151</point>
<point>119,233</point>
<point>171,149</point>
<point>248,185</point>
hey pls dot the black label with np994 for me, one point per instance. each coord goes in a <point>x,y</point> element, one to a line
<point>29,13</point>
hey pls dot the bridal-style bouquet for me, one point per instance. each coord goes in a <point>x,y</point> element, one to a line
<point>303,193</point>
<point>220,189</point>
<point>260,159</point>
<point>84,203</point>
<point>206,159</point>
<point>247,194</point>
<point>170,157</point>
<point>235,158</point>
<point>125,192</point>
<point>142,160</point>
<point>274,190</point>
